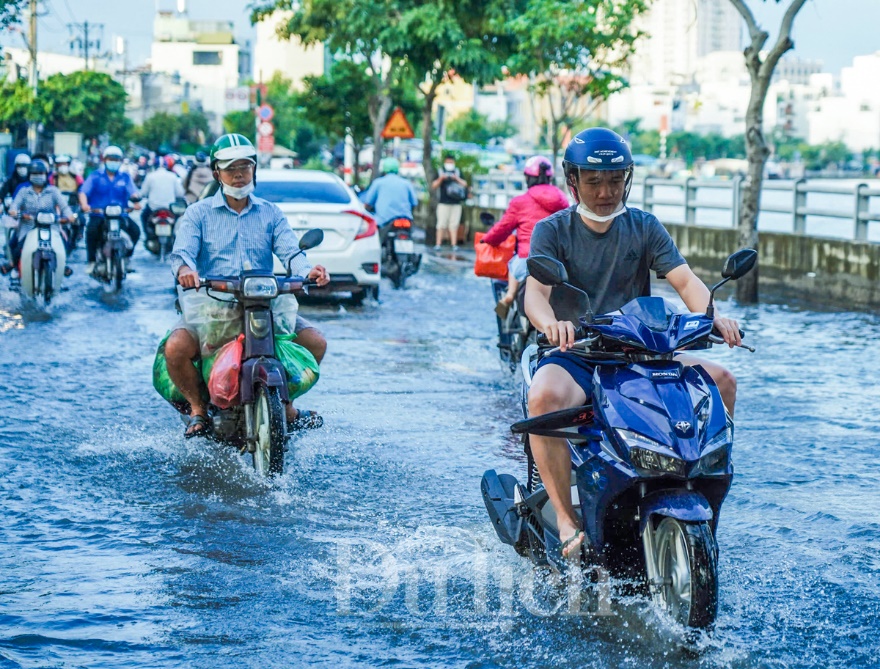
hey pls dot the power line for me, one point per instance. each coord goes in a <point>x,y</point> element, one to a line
<point>70,11</point>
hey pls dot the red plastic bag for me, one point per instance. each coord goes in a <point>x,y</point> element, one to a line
<point>224,385</point>
<point>492,260</point>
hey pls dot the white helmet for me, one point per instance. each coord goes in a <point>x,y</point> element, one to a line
<point>62,158</point>
<point>112,152</point>
<point>22,159</point>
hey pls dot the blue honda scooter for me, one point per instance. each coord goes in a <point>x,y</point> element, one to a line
<point>650,451</point>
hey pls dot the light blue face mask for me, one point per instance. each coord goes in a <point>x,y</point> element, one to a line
<point>38,179</point>
<point>113,165</point>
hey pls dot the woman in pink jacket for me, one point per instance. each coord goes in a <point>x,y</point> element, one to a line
<point>540,201</point>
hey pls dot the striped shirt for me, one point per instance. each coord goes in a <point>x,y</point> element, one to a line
<point>28,201</point>
<point>214,240</point>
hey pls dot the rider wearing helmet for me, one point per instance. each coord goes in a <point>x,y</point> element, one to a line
<point>608,250</point>
<point>63,178</point>
<point>222,235</point>
<point>160,188</point>
<point>34,198</point>
<point>107,186</point>
<point>18,177</point>
<point>390,196</point>
<point>197,178</point>
<point>541,200</point>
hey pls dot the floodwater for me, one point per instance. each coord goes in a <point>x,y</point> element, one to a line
<point>125,546</point>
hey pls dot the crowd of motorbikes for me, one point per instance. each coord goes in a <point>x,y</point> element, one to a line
<point>650,449</point>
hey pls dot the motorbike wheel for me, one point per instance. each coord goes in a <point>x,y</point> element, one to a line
<point>687,567</point>
<point>46,283</point>
<point>118,272</point>
<point>269,432</point>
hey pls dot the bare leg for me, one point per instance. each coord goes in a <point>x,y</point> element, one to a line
<point>180,351</point>
<point>723,378</point>
<point>512,287</point>
<point>312,340</point>
<point>439,240</point>
<point>553,389</point>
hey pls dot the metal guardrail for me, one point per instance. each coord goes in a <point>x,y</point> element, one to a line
<point>496,190</point>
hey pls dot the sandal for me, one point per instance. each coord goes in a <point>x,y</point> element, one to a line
<point>501,310</point>
<point>305,420</point>
<point>68,271</point>
<point>571,546</point>
<point>200,425</point>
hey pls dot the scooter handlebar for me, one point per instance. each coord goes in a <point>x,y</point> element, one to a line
<point>579,333</point>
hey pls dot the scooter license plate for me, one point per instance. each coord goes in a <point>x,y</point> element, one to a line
<point>404,246</point>
<point>163,230</point>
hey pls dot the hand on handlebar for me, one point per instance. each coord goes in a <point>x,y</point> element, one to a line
<point>188,278</point>
<point>728,330</point>
<point>561,334</point>
<point>319,275</point>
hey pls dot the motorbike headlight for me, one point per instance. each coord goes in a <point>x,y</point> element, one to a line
<point>45,218</point>
<point>112,210</point>
<point>260,286</point>
<point>644,455</point>
<point>716,453</point>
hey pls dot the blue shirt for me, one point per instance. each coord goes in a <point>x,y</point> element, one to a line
<point>391,197</point>
<point>100,190</point>
<point>214,240</point>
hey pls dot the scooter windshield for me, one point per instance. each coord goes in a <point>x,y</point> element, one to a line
<point>653,312</point>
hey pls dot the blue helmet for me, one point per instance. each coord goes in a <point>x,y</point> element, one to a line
<point>597,149</point>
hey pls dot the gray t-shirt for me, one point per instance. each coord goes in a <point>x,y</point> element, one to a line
<point>614,267</point>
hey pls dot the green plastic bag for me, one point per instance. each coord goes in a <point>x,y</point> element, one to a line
<point>300,365</point>
<point>165,386</point>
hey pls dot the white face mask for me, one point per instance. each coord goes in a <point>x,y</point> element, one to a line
<point>238,193</point>
<point>583,210</point>
<point>21,171</point>
<point>449,167</point>
<point>63,169</point>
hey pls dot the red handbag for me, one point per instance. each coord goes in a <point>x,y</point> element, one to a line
<point>492,261</point>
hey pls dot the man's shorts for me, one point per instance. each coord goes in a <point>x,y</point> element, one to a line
<point>519,268</point>
<point>448,216</point>
<point>578,368</point>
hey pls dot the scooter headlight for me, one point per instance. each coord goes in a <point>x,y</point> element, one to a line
<point>112,210</point>
<point>645,457</point>
<point>45,218</point>
<point>260,286</point>
<point>716,453</point>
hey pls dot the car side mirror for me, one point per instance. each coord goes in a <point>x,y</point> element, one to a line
<point>547,270</point>
<point>739,264</point>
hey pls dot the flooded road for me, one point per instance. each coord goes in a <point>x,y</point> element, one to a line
<point>126,546</point>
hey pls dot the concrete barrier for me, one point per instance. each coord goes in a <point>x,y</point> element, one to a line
<point>833,272</point>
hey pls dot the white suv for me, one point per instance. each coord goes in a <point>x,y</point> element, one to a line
<point>313,199</point>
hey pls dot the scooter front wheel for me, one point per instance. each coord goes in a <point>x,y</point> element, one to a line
<point>268,432</point>
<point>118,272</point>
<point>687,572</point>
<point>46,283</point>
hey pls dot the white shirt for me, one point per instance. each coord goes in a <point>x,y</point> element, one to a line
<point>161,188</point>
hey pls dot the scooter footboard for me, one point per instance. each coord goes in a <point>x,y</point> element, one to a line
<point>685,505</point>
<point>499,498</point>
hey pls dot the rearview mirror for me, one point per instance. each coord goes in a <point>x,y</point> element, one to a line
<point>311,239</point>
<point>739,264</point>
<point>547,270</point>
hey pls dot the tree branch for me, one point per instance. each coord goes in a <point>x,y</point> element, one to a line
<point>783,42</point>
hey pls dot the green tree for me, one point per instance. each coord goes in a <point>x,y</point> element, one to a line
<point>241,122</point>
<point>88,102</point>
<point>159,132</point>
<point>10,12</point>
<point>472,126</point>
<point>16,109</point>
<point>571,51</point>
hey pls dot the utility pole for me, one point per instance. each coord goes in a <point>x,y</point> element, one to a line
<point>79,35</point>
<point>32,125</point>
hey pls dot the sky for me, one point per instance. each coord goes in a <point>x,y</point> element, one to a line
<point>833,31</point>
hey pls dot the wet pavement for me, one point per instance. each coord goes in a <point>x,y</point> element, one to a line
<point>124,545</point>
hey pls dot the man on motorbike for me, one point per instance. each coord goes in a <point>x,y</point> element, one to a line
<point>197,178</point>
<point>608,250</point>
<point>38,197</point>
<point>20,176</point>
<point>103,187</point>
<point>540,201</point>
<point>63,178</point>
<point>221,235</point>
<point>160,188</point>
<point>390,196</point>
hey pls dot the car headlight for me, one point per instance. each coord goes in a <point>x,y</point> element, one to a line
<point>716,453</point>
<point>260,286</point>
<point>644,456</point>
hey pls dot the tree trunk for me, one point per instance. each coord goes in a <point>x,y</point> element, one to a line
<point>427,162</point>
<point>757,153</point>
